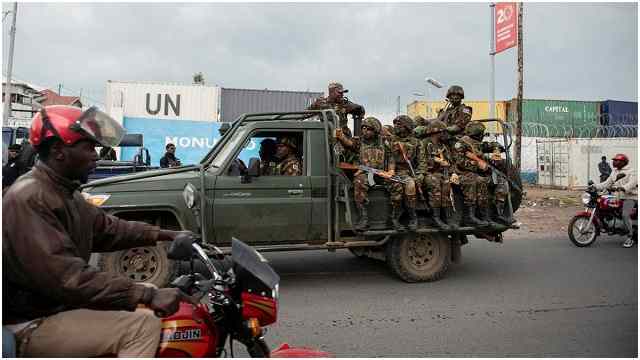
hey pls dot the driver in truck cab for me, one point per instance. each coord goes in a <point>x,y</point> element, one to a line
<point>627,189</point>
<point>55,303</point>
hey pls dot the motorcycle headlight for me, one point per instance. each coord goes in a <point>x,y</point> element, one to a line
<point>586,198</point>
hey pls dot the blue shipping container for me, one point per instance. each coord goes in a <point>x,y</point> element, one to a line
<point>619,113</point>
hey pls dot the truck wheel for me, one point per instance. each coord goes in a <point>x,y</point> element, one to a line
<point>142,264</point>
<point>419,257</point>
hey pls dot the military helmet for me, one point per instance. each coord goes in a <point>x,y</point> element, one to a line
<point>455,89</point>
<point>373,123</point>
<point>474,129</point>
<point>435,126</point>
<point>404,121</point>
<point>289,141</point>
<point>420,121</point>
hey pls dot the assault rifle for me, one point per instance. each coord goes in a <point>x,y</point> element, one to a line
<point>372,171</point>
<point>413,173</point>
<point>484,165</point>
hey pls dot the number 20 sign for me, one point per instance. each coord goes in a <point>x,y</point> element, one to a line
<point>506,26</point>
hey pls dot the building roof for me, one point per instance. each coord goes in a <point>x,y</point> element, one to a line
<point>52,98</point>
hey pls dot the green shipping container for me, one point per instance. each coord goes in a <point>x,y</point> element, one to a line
<point>557,118</point>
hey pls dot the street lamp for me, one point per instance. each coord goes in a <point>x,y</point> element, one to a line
<point>435,83</point>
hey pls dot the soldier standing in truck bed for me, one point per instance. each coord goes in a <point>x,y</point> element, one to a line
<point>404,144</point>
<point>455,115</point>
<point>372,151</point>
<point>336,100</point>
<point>435,161</point>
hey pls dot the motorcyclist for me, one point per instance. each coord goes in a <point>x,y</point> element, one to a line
<point>53,300</point>
<point>626,189</point>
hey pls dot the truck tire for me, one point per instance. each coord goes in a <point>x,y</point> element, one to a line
<point>419,257</point>
<point>142,264</point>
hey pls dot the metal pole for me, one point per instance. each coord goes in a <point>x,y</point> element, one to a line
<point>519,99</point>
<point>492,54</point>
<point>398,109</point>
<point>8,88</point>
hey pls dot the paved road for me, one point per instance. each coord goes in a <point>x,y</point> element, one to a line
<point>534,295</point>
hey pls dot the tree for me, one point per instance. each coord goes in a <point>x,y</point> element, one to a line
<point>198,78</point>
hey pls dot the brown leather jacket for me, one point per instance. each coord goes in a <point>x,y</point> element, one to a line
<point>48,234</point>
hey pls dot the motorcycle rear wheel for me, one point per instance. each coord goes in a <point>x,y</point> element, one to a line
<point>582,233</point>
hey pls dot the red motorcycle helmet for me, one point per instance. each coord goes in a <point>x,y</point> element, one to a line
<point>620,161</point>
<point>70,124</point>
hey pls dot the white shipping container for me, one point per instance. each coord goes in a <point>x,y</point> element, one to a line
<point>162,101</point>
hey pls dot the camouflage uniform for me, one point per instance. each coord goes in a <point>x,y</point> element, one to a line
<point>474,181</point>
<point>342,107</point>
<point>289,166</point>
<point>268,161</point>
<point>456,117</point>
<point>403,126</point>
<point>498,188</point>
<point>269,168</point>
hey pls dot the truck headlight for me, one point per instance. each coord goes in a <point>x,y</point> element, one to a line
<point>586,198</point>
<point>189,195</point>
<point>96,199</point>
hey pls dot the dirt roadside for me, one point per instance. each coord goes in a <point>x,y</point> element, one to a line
<point>547,210</point>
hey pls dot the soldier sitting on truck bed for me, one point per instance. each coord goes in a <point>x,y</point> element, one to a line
<point>474,179</point>
<point>404,146</point>
<point>373,152</point>
<point>290,164</point>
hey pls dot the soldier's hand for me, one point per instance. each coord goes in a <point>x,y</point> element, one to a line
<point>391,172</point>
<point>339,133</point>
<point>454,179</point>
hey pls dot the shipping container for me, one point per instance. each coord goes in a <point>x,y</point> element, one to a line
<point>185,115</point>
<point>557,118</point>
<point>430,109</point>
<point>235,102</point>
<point>619,113</point>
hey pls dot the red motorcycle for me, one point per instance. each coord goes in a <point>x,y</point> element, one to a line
<point>603,214</point>
<point>239,297</point>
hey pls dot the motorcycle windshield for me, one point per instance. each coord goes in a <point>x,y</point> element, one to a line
<point>252,261</point>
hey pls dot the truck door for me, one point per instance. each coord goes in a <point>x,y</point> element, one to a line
<point>272,209</point>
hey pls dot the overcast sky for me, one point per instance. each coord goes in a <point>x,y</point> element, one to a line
<point>379,51</point>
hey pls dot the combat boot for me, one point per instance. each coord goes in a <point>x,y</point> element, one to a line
<point>363,224</point>
<point>494,214</point>
<point>413,219</point>
<point>395,218</point>
<point>437,219</point>
<point>483,215</point>
<point>509,219</point>
<point>470,219</point>
<point>454,218</point>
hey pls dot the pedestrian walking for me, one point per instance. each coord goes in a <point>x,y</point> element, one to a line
<point>604,168</point>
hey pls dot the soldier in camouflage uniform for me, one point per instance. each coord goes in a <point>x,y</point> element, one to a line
<point>337,101</point>
<point>289,163</point>
<point>456,115</point>
<point>268,160</point>
<point>373,153</point>
<point>473,179</point>
<point>433,173</point>
<point>404,139</point>
<point>498,186</point>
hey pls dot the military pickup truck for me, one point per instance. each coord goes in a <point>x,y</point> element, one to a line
<point>273,213</point>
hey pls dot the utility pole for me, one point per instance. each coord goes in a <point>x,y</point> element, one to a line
<point>8,88</point>
<point>398,109</point>
<point>492,55</point>
<point>60,89</point>
<point>518,150</point>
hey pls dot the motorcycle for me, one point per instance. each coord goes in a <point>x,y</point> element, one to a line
<point>603,214</point>
<point>239,297</point>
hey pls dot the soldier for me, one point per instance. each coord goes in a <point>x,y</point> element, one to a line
<point>456,115</point>
<point>337,101</point>
<point>433,174</point>
<point>498,186</point>
<point>373,153</point>
<point>404,147</point>
<point>289,163</point>
<point>473,178</point>
<point>268,160</point>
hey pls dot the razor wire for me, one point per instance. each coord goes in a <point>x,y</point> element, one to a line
<point>538,130</point>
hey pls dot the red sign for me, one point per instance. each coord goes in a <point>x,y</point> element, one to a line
<point>506,26</point>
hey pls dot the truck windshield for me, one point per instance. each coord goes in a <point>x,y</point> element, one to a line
<point>228,148</point>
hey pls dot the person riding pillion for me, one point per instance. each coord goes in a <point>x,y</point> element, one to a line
<point>57,304</point>
<point>473,179</point>
<point>374,152</point>
<point>626,189</point>
<point>434,167</point>
<point>404,149</point>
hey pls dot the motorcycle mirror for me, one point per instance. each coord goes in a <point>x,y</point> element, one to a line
<point>620,176</point>
<point>180,248</point>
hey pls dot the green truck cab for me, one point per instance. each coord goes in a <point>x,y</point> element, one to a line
<point>272,213</point>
